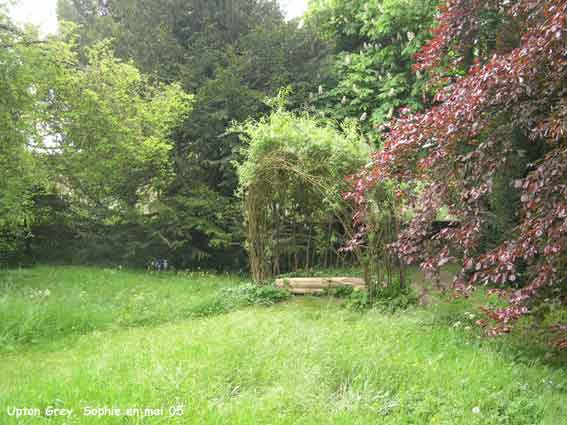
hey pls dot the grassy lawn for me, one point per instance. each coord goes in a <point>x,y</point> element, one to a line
<point>80,338</point>
<point>43,305</point>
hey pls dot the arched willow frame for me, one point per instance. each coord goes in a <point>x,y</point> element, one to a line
<point>292,183</point>
<point>283,220</point>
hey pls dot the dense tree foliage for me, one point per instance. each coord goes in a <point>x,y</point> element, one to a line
<point>499,69</point>
<point>93,135</point>
<point>371,73</point>
<point>109,129</point>
<point>231,55</point>
<point>19,108</point>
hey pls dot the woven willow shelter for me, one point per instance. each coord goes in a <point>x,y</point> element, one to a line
<point>292,182</point>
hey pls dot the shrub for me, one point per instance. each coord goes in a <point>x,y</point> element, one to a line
<point>340,292</point>
<point>393,297</point>
<point>251,293</point>
<point>358,300</point>
<point>386,298</point>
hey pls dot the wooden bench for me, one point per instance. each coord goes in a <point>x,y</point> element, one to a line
<point>317,285</point>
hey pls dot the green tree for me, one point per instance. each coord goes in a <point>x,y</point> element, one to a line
<point>22,62</point>
<point>110,128</point>
<point>96,131</point>
<point>231,55</point>
<point>375,42</point>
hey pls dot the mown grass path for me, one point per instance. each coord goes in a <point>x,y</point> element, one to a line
<point>307,361</point>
